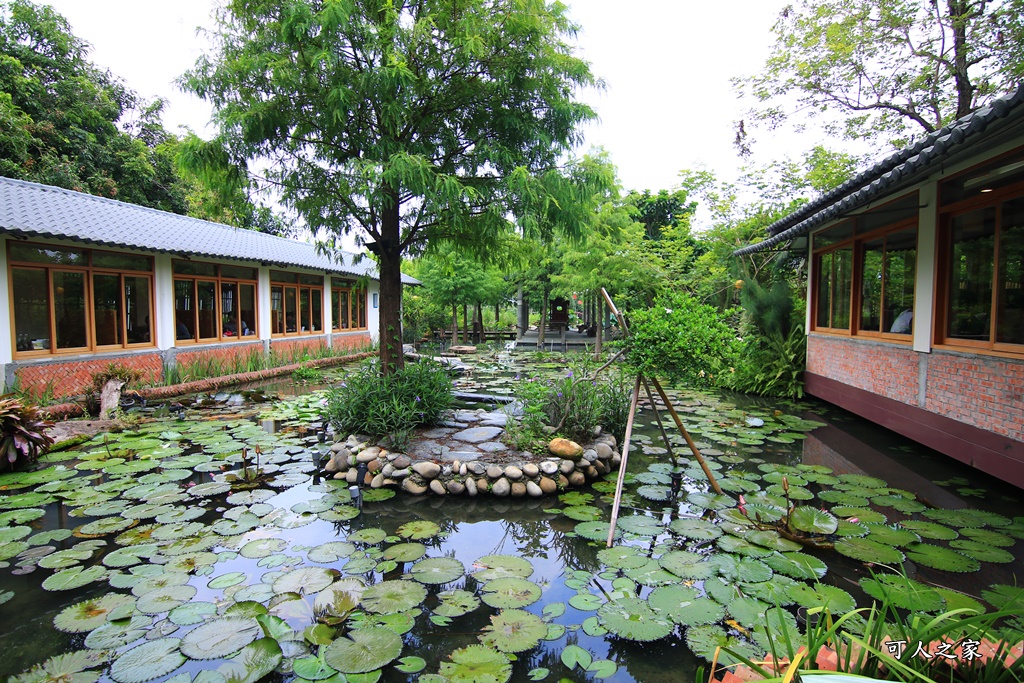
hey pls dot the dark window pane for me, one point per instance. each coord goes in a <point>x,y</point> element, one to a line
<point>192,268</point>
<point>206,304</point>
<point>362,309</point>
<point>239,272</point>
<point>304,310</point>
<point>837,233</point>
<point>137,303</point>
<point>900,274</point>
<point>106,259</point>
<point>184,309</point>
<point>991,176</point>
<point>1010,294</point>
<point>841,284</point>
<point>871,285</point>
<point>972,252</point>
<point>317,299</point>
<point>106,297</point>
<point>281,276</point>
<point>344,320</point>
<point>894,212</point>
<point>341,283</point>
<point>62,256</point>
<point>31,297</point>
<point>306,279</point>
<point>69,309</point>
<point>824,290</point>
<point>290,310</point>
<point>247,309</point>
<point>277,310</point>
<point>229,324</point>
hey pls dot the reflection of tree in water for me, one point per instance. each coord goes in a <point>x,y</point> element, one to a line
<point>668,660</point>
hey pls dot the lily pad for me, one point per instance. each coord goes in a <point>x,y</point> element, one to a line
<point>501,566</point>
<point>937,557</point>
<point>405,552</point>
<point>370,536</point>
<point>983,552</point>
<point>681,605</point>
<point>697,529</point>
<point>456,603</point>
<point>903,592</point>
<point>510,592</point>
<point>91,614</point>
<point>220,637</point>
<point>332,551</point>
<point>437,570</point>
<point>305,580</point>
<point>812,520</point>
<point>147,661</point>
<point>165,599</point>
<point>869,551</point>
<point>74,577</point>
<point>476,664</point>
<point>834,600</point>
<point>707,641</point>
<point>363,650</point>
<point>514,630</point>
<point>634,619</point>
<point>419,530</point>
<point>391,597</point>
<point>931,530</point>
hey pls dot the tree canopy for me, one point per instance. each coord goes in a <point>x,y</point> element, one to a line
<point>887,70</point>
<point>406,121</point>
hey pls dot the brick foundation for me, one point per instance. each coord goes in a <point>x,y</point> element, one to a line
<point>226,354</point>
<point>888,370</point>
<point>73,377</point>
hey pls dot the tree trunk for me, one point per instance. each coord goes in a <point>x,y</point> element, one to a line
<point>599,322</point>
<point>479,325</point>
<point>959,16</point>
<point>455,323</point>
<point>543,320</point>
<point>497,314</point>
<point>465,324</point>
<point>390,253</point>
<point>522,314</point>
<point>110,397</point>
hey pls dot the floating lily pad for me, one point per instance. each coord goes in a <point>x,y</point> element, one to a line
<point>91,614</point>
<point>983,552</point>
<point>419,530</point>
<point>340,598</point>
<point>369,536</point>
<point>227,580</point>
<point>697,529</point>
<point>583,513</point>
<point>330,552</point>
<point>596,531</point>
<point>164,599</point>
<point>305,580</point>
<point>707,641</point>
<point>190,613</point>
<point>437,570</point>
<point>147,661</point>
<point>455,603</point>
<point>500,566</point>
<point>931,530</point>
<point>681,605</point>
<point>510,592</point>
<point>118,633</point>
<point>405,552</point>
<point>514,630</point>
<point>476,664</point>
<point>742,569</point>
<point>711,501</point>
<point>957,518</point>
<point>834,600</point>
<point>391,597</point>
<point>363,650</point>
<point>812,520</point>
<point>262,547</point>
<point>74,577</point>
<point>622,557</point>
<point>881,533</point>
<point>634,619</point>
<point>220,637</point>
<point>988,537</point>
<point>641,525</point>
<point>937,557</point>
<point>797,565</point>
<point>869,551</point>
<point>903,592</point>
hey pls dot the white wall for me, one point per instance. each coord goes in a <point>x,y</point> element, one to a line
<point>163,296</point>
<point>6,343</point>
<point>373,312</point>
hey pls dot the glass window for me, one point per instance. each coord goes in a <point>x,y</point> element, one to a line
<point>137,309</point>
<point>341,319</point>
<point>824,291</point>
<point>304,310</point>
<point>105,259</point>
<point>184,310</point>
<point>835,279</point>
<point>277,310</point>
<point>240,272</point>
<point>280,276</point>
<point>990,177</point>
<point>871,285</point>
<point>317,301</point>
<point>206,307</point>
<point>106,297</point>
<point>193,268</point>
<point>900,276</point>
<point>247,309</point>
<point>61,256</point>
<point>1010,283</point>
<point>971,257</point>
<point>306,279</point>
<point>229,309</point>
<point>833,235</point>
<point>69,309</point>
<point>290,313</point>
<point>31,298</point>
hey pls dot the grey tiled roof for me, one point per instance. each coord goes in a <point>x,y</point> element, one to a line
<point>33,210</point>
<point>901,169</point>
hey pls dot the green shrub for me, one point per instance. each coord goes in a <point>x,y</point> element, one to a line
<point>389,406</point>
<point>681,339</point>
<point>774,344</point>
<point>22,433</point>
<point>308,374</point>
<point>127,375</point>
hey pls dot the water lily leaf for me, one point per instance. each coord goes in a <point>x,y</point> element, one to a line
<point>681,605</point>
<point>553,610</point>
<point>538,674</point>
<point>75,577</point>
<point>14,533</point>
<point>419,530</point>
<point>369,536</point>
<point>986,536</point>
<point>91,614</point>
<point>455,603</point>
<point>862,481</point>
<point>881,533</point>
<point>742,569</point>
<point>411,665</point>
<point>835,600</point>
<point>583,513</point>
<point>633,619</point>
<point>340,598</point>
<point>697,529</point>
<point>748,611</point>
<point>192,613</point>
<point>592,627</point>
<point>622,557</point>
<point>514,630</point>
<point>596,531</point>
<point>332,551</point>
<point>319,634</point>
<point>736,545</point>
<point>437,570</point>
<point>711,501</point>
<point>21,516</point>
<point>211,488</point>
<point>655,493</point>
<point>220,637</point>
<point>641,525</point>
<point>363,650</point>
<point>510,592</point>
<point>165,599</point>
<point>476,664</point>
<point>573,498</point>
<point>603,668</point>
<point>306,580</point>
<point>585,602</point>
<point>360,565</point>
<point>937,557</point>
<point>869,551</point>
<point>812,520</point>
<point>957,518</point>
<point>64,558</point>
<point>250,497</point>
<point>706,641</point>
<point>501,566</point>
<point>903,592</point>
<point>405,552</point>
<point>401,623</point>
<point>574,655</point>
<point>797,565</point>
<point>983,552</point>
<point>119,633</point>
<point>1004,597</point>
<point>152,577</point>
<point>262,547</point>
<point>256,660</point>
<point>147,661</point>
<point>391,597</point>
<point>227,580</point>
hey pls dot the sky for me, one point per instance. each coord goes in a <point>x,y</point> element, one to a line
<point>668,104</point>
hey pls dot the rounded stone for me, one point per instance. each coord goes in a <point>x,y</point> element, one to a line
<point>330,466</point>
<point>590,455</point>
<point>494,471</point>
<point>602,467</point>
<point>513,473</point>
<point>518,489</point>
<point>427,469</point>
<point>530,470</point>
<point>352,476</point>
<point>502,487</point>
<point>549,466</point>
<point>340,448</point>
<point>446,471</point>
<point>562,481</point>
<point>548,485</point>
<point>341,475</point>
<point>567,466</point>
<point>374,467</point>
<point>577,478</point>
<point>596,431</point>
<point>455,487</point>
<point>591,472</point>
<point>402,461</point>
<point>476,468</point>
<point>483,485</point>
<point>534,490</point>
<point>401,474</point>
<point>388,469</point>
<point>437,487</point>
<point>616,460</point>
<point>412,487</point>
<point>377,481</point>
<point>368,454</point>
<point>463,470</point>
<point>604,451</point>
<point>564,448</point>
<point>471,487</point>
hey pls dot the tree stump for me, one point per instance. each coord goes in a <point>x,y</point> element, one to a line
<point>110,397</point>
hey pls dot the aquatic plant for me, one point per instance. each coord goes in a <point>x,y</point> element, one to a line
<point>22,433</point>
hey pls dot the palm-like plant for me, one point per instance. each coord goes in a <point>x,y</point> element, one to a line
<point>22,432</point>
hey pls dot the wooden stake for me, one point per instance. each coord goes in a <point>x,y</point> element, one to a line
<point>622,465</point>
<point>686,435</point>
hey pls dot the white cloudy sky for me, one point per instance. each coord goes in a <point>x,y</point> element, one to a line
<point>667,65</point>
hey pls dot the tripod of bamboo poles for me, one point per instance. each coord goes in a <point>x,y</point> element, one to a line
<point>646,382</point>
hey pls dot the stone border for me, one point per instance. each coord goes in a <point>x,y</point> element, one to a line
<point>525,475</point>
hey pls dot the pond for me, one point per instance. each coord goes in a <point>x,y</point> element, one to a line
<point>136,554</point>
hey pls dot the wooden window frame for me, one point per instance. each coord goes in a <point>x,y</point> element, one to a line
<point>298,288</point>
<point>857,298</point>
<point>947,213</point>
<point>357,315</point>
<point>88,272</point>
<point>219,282</point>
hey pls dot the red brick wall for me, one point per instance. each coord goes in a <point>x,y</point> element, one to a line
<point>225,354</point>
<point>983,391</point>
<point>292,347</point>
<point>889,370</point>
<point>350,341</point>
<point>73,377</point>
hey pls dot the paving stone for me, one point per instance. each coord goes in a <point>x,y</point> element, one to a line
<point>477,434</point>
<point>463,456</point>
<point>492,446</point>
<point>437,433</point>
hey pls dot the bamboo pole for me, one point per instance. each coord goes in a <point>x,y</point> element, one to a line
<point>622,464</point>
<point>661,426</point>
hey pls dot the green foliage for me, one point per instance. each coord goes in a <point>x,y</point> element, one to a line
<point>681,339</point>
<point>115,371</point>
<point>392,405</point>
<point>774,344</point>
<point>307,374</point>
<point>22,433</point>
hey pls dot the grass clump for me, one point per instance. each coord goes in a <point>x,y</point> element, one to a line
<point>389,406</point>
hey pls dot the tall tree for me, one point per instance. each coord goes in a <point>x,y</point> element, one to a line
<point>658,211</point>
<point>887,69</point>
<point>404,120</point>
